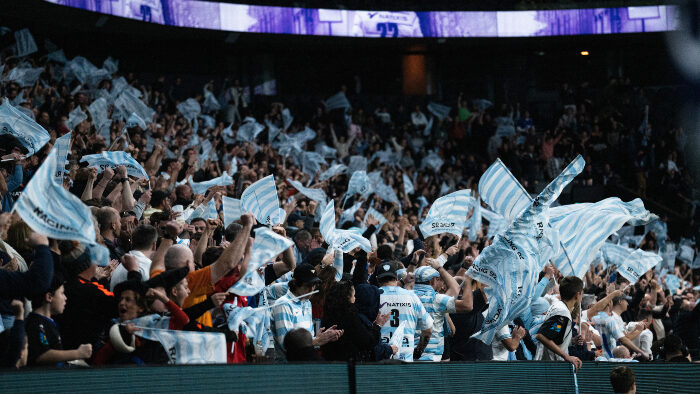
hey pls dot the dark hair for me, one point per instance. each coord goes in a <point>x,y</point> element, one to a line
<point>211,255</point>
<point>231,231</point>
<point>158,217</point>
<point>143,237</point>
<point>643,314</point>
<point>39,299</point>
<point>302,235</point>
<point>384,252</point>
<point>569,286</point>
<point>622,379</point>
<point>327,276</point>
<point>198,220</point>
<point>337,306</point>
<point>296,340</point>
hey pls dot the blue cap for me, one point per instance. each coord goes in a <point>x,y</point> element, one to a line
<point>425,273</point>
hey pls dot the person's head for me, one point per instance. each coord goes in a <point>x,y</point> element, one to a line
<point>17,236</point>
<point>160,199</point>
<point>621,352</point>
<point>672,347</point>
<point>622,380</point>
<point>183,192</point>
<point>199,225</point>
<point>571,288</point>
<point>385,252</point>
<point>75,259</point>
<point>340,300</point>
<point>231,231</point>
<point>304,280</point>
<point>295,220</point>
<point>131,298</point>
<point>645,315</point>
<point>144,238</point>
<point>303,240</point>
<point>386,273</point>
<point>109,221</point>
<point>5,219</point>
<point>53,300</point>
<point>178,256</point>
<point>296,342</point>
<point>620,304</point>
<point>173,283</point>
<point>429,276</point>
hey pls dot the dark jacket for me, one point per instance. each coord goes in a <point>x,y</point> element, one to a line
<point>357,338</point>
<point>35,281</point>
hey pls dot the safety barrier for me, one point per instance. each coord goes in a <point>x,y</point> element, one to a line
<point>477,377</point>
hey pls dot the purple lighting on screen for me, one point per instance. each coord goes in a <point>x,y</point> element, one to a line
<point>351,23</point>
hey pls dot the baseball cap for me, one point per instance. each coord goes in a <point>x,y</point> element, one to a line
<point>425,273</point>
<point>619,299</point>
<point>293,217</point>
<point>306,274</point>
<point>386,269</point>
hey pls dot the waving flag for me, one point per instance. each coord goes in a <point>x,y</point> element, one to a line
<point>359,184</point>
<point>357,163</point>
<point>631,263</point>
<point>397,339</point>
<point>497,223</point>
<point>25,44</point>
<point>62,147</point>
<point>376,215</point>
<point>439,110</point>
<point>287,118</point>
<point>249,131</point>
<point>28,132</point>
<point>266,247</point>
<point>448,214</point>
<point>204,211</point>
<point>24,76</point>
<point>128,102</point>
<point>111,65</point>
<point>134,120</point>
<point>210,102</point>
<point>51,210</point>
<point>660,230</point>
<point>584,227</point>
<point>502,192</point>
<point>407,185</point>
<point>113,160</point>
<point>344,240</point>
<point>311,163</point>
<point>335,169</point>
<point>98,111</point>
<point>336,101</point>
<point>326,151</point>
<point>232,209</point>
<point>386,193</point>
<point>272,131</point>
<point>188,347</point>
<point>511,264</point>
<point>428,127</point>
<point>474,222</point>
<point>261,200</point>
<point>75,117</point>
<point>673,283</point>
<point>202,187</point>
<point>433,160</point>
<point>254,323</point>
<point>348,215</point>
<point>423,203</point>
<point>315,194</point>
<point>189,108</point>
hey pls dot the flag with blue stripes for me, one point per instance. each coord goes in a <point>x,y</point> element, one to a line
<point>345,240</point>
<point>24,76</point>
<point>272,131</point>
<point>497,223</point>
<point>502,192</point>
<point>232,209</point>
<point>75,117</point>
<point>249,131</point>
<point>287,118</point>
<point>189,347</point>
<point>135,121</point>
<point>128,103</point>
<point>428,126</point>
<point>673,283</point>
<point>189,108</point>
<point>631,263</point>
<point>24,43</point>
<point>348,214</point>
<point>584,227</point>
<point>204,211</point>
<point>311,163</point>
<point>201,187</point>
<point>254,323</point>
<point>62,146</point>
<point>439,110</point>
<point>210,102</point>
<point>423,203</point>
<point>432,160</point>
<point>335,169</point>
<point>261,200</point>
<point>474,222</point>
<point>660,230</point>
<point>266,247</point>
<point>377,216</point>
<point>314,194</point>
<point>407,185</point>
<point>114,159</point>
<point>51,210</point>
<point>357,163</point>
<point>98,112</point>
<point>448,214</point>
<point>23,128</point>
<point>510,265</point>
<point>359,184</point>
<point>336,101</point>
<point>326,151</point>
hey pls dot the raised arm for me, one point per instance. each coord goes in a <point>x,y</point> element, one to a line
<point>87,192</point>
<point>233,254</point>
<point>288,262</point>
<point>107,176</point>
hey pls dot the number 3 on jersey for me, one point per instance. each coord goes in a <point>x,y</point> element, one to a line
<point>394,322</point>
<point>388,29</point>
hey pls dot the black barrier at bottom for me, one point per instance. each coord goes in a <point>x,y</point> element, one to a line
<point>478,377</point>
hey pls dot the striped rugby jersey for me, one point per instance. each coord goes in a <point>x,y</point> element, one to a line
<point>436,305</point>
<point>403,305</point>
<point>288,315</point>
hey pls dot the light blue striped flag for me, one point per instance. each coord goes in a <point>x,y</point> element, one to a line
<point>287,118</point>
<point>75,117</point>
<point>510,265</point>
<point>51,210</point>
<point>311,163</point>
<point>266,247</point>
<point>204,211</point>
<point>254,323</point>
<point>23,128</point>
<point>474,222</point>
<point>186,347</point>
<point>344,240</point>
<point>272,131</point>
<point>428,127</point>
<point>24,76</point>
<point>128,102</point>
<point>584,227</point>
<point>376,215</point>
<point>62,147</point>
<point>423,203</point>
<point>631,263</point>
<point>261,200</point>
<point>448,214</point>
<point>335,169</point>
<point>357,163</point>
<point>210,102</point>
<point>249,131</point>
<point>673,283</point>
<point>387,193</point>
<point>135,121</point>
<point>201,187</point>
<point>407,185</point>
<point>502,192</point>
<point>432,160</point>
<point>314,194</point>
<point>439,110</point>
<point>660,230</point>
<point>359,184</point>
<point>57,56</point>
<point>190,109</point>
<point>111,65</point>
<point>98,110</point>
<point>114,159</point>
<point>497,223</point>
<point>24,43</point>
<point>326,151</point>
<point>232,210</point>
<point>348,215</point>
<point>336,101</point>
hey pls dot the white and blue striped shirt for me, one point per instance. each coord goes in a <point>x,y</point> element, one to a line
<point>288,315</point>
<point>436,305</point>
<point>403,306</point>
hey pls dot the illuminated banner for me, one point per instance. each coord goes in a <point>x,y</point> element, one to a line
<point>350,23</point>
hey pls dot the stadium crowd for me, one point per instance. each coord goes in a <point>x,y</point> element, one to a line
<point>169,256</point>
